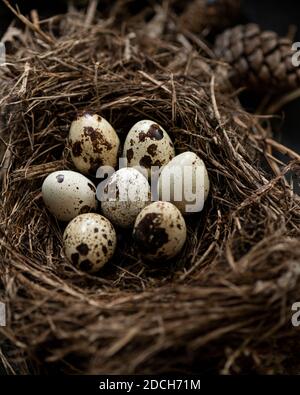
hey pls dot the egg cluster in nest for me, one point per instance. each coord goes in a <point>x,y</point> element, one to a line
<point>223,304</point>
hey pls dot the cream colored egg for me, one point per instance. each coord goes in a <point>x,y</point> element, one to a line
<point>93,142</point>
<point>184,181</point>
<point>148,144</point>
<point>68,193</point>
<point>126,193</point>
<point>159,231</point>
<point>89,242</point>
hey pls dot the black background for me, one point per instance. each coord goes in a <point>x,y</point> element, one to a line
<point>278,16</point>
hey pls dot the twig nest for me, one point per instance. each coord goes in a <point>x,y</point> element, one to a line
<point>93,142</point>
<point>184,181</point>
<point>148,144</point>
<point>89,242</point>
<point>67,194</point>
<point>125,194</point>
<point>159,231</point>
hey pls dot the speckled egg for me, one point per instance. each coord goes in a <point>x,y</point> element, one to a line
<point>89,242</point>
<point>184,182</point>
<point>126,193</point>
<point>148,144</point>
<point>67,193</point>
<point>159,231</point>
<point>93,142</point>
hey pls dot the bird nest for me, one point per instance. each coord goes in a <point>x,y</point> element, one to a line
<point>222,305</point>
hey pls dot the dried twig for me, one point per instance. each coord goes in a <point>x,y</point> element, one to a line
<point>283,101</point>
<point>31,25</point>
<point>91,11</point>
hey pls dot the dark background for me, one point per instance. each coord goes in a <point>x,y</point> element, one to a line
<point>278,16</point>
<point>268,14</point>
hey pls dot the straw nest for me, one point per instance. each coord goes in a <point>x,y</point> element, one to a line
<point>224,304</point>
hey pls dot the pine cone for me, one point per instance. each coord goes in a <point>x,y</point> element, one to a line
<point>213,14</point>
<point>261,60</point>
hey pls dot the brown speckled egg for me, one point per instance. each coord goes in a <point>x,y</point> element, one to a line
<point>89,242</point>
<point>159,231</point>
<point>67,194</point>
<point>184,182</point>
<point>148,144</point>
<point>93,142</point>
<point>129,193</point>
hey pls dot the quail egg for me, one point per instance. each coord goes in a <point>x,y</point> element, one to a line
<point>67,194</point>
<point>89,242</point>
<point>148,144</point>
<point>159,231</point>
<point>93,142</point>
<point>126,193</point>
<point>184,182</point>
